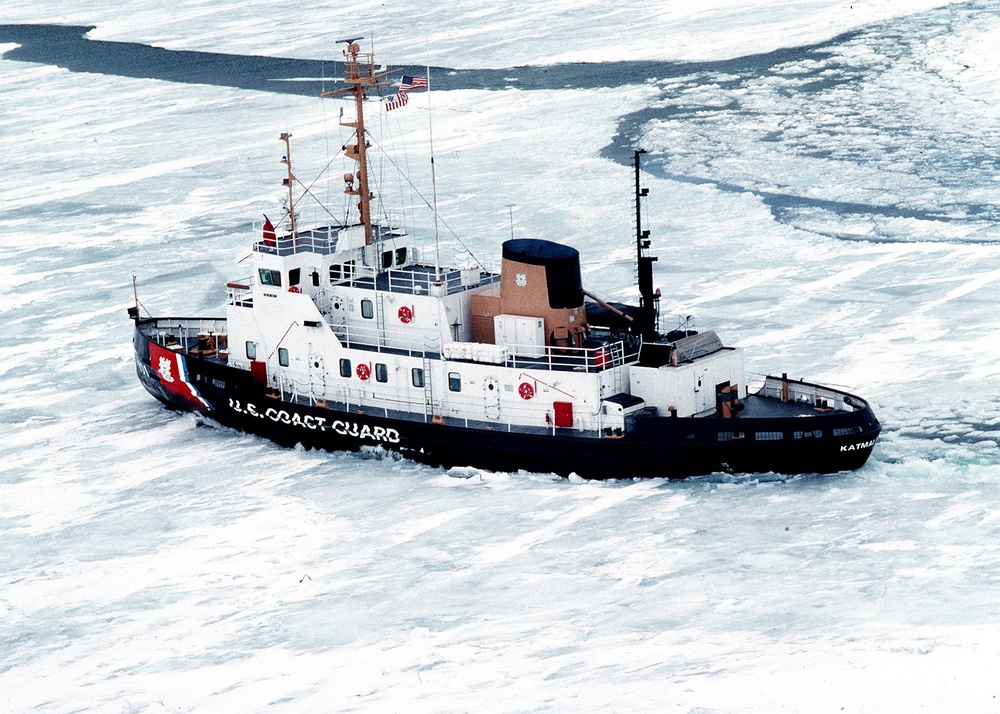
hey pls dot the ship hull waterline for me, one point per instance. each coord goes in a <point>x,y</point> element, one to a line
<point>656,447</point>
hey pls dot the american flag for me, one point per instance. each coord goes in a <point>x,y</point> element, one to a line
<point>408,83</point>
<point>398,101</point>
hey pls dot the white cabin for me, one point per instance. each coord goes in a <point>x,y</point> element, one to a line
<point>324,318</point>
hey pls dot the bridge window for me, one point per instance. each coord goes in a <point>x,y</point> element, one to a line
<point>381,372</point>
<point>342,271</point>
<point>847,431</point>
<point>769,436</point>
<point>345,368</point>
<point>270,277</point>
<point>387,260</point>
<point>815,434</point>
<point>283,356</point>
<point>417,377</point>
<point>367,309</point>
<point>251,350</point>
<point>400,256</point>
<point>454,381</point>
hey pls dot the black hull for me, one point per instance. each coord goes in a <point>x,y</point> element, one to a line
<point>656,447</point>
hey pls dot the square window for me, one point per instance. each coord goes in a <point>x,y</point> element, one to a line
<point>367,309</point>
<point>283,356</point>
<point>251,350</point>
<point>400,256</point>
<point>335,273</point>
<point>345,368</point>
<point>270,277</point>
<point>454,381</point>
<point>808,434</point>
<point>417,377</point>
<point>387,260</point>
<point>381,372</point>
<point>769,436</point>
<point>294,276</point>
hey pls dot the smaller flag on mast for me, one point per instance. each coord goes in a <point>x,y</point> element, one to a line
<point>398,101</point>
<point>407,83</point>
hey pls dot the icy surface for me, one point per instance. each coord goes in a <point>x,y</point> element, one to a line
<point>833,211</point>
<point>473,34</point>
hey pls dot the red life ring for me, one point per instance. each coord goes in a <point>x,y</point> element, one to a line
<point>405,314</point>
<point>364,372</point>
<point>294,289</point>
<point>526,390</point>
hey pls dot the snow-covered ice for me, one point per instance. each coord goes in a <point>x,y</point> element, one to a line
<point>824,193</point>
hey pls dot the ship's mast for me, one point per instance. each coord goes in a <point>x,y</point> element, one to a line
<point>287,160</point>
<point>359,73</point>
<point>649,301</point>
<point>434,192</point>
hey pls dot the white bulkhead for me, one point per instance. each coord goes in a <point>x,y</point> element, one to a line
<point>689,388</point>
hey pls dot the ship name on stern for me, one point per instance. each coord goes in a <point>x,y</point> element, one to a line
<point>858,447</point>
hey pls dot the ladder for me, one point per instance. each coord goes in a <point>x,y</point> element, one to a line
<point>428,389</point>
<point>380,317</point>
<point>616,353</point>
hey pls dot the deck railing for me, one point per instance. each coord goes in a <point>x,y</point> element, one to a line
<point>349,399</point>
<point>316,240</point>
<point>182,333</point>
<point>415,280</point>
<point>419,343</point>
<point>811,394</point>
<point>240,292</point>
<point>370,337</point>
<point>589,359</point>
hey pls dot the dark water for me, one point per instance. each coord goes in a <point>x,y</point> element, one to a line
<point>67,46</point>
<point>842,103</point>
